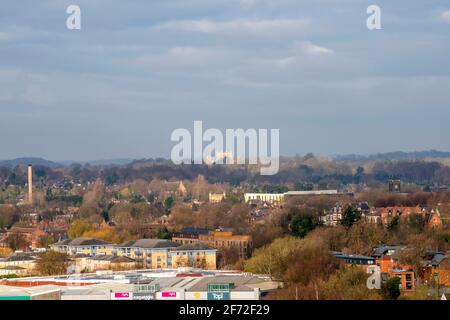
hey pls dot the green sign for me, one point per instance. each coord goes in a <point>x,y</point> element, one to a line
<point>220,287</point>
<point>15,298</point>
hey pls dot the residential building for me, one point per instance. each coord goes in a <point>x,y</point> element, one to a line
<point>332,217</point>
<point>30,234</point>
<point>188,235</point>
<point>216,239</point>
<point>18,263</point>
<point>389,213</point>
<point>264,197</point>
<point>372,216</point>
<point>216,197</point>
<point>436,268</point>
<point>148,253</point>
<point>276,198</point>
<point>394,186</point>
<point>198,255</point>
<point>364,261</point>
<point>381,269</point>
<point>109,262</point>
<point>385,250</point>
<point>91,254</point>
<point>84,245</point>
<point>434,220</point>
<point>157,254</point>
<point>226,239</point>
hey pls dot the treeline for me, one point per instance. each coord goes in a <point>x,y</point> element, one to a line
<point>323,173</point>
<point>420,172</point>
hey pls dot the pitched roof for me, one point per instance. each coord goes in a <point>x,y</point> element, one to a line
<point>112,258</point>
<point>62,243</point>
<point>149,244</point>
<point>81,241</point>
<point>193,246</point>
<point>194,230</point>
<point>434,258</point>
<point>80,255</point>
<point>382,249</point>
<point>20,257</point>
<point>12,268</point>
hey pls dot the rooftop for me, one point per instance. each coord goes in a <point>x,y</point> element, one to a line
<point>194,230</point>
<point>112,258</point>
<point>81,241</point>
<point>149,244</point>
<point>193,246</point>
<point>20,257</point>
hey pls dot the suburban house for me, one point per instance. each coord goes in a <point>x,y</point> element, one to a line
<point>92,254</point>
<point>18,263</point>
<point>197,255</point>
<point>149,253</point>
<point>216,239</point>
<point>84,245</point>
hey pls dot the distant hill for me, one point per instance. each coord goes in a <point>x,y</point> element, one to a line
<point>32,161</point>
<point>397,155</point>
<point>106,162</point>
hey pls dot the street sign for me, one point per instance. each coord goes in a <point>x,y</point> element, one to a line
<point>169,294</point>
<point>122,295</point>
<point>218,296</point>
<point>144,296</point>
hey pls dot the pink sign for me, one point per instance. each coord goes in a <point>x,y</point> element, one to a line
<point>121,295</point>
<point>169,294</point>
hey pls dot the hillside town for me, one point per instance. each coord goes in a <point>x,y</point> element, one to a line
<point>91,233</point>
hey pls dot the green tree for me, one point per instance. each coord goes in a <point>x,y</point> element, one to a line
<point>349,217</point>
<point>105,215</point>
<point>51,263</point>
<point>301,225</point>
<point>137,198</point>
<point>111,179</point>
<point>300,186</point>
<point>391,289</point>
<point>393,224</point>
<point>163,233</point>
<point>151,197</point>
<point>358,174</point>
<point>78,228</point>
<point>168,203</point>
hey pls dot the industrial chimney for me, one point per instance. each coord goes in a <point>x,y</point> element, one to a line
<point>30,184</point>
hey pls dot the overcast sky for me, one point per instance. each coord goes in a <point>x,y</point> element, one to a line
<point>139,69</point>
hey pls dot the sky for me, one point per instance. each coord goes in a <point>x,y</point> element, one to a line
<point>137,70</point>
